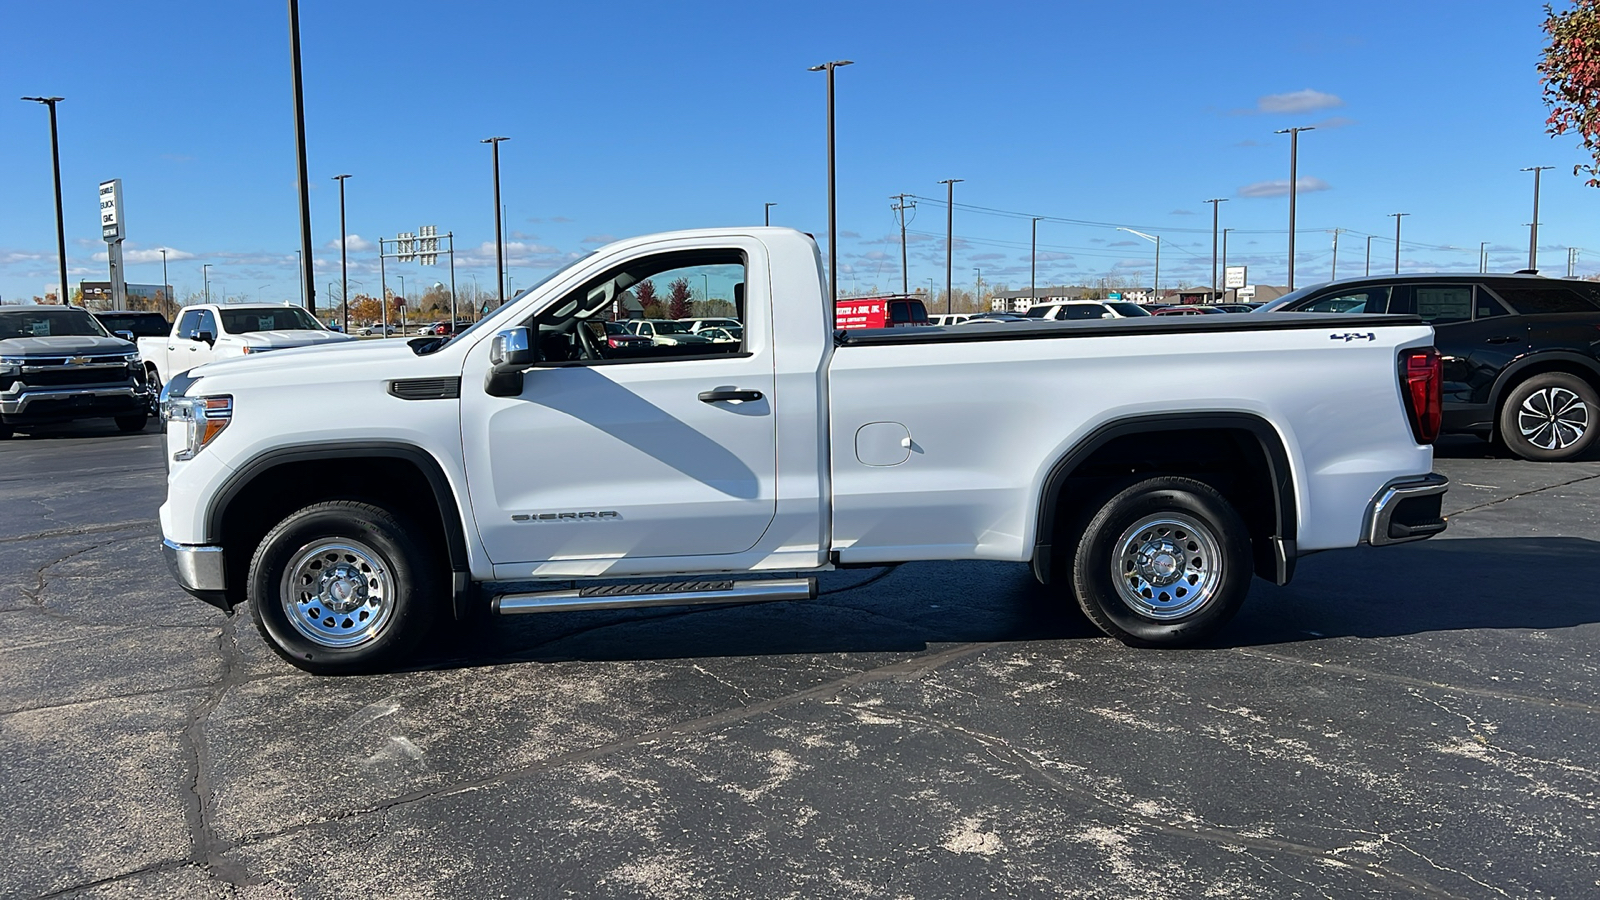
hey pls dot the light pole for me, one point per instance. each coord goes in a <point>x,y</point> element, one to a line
<point>1483,256</point>
<point>344,257</point>
<point>767,213</point>
<point>1033,263</point>
<point>1294,186</point>
<point>308,277</point>
<point>1533,227</point>
<point>205,275</point>
<point>166,287</point>
<point>1216,204</point>
<point>1397,217</point>
<point>1154,239</point>
<point>1369,254</point>
<point>705,290</point>
<point>949,236</point>
<point>833,211</point>
<point>499,238</point>
<point>55,159</point>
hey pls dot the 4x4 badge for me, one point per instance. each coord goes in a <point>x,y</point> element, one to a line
<point>1349,336</point>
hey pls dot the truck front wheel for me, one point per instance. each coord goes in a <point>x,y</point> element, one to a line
<point>340,587</point>
<point>1165,563</point>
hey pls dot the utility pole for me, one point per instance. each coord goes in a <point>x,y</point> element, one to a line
<point>205,276</point>
<point>1215,205</point>
<point>1533,228</point>
<point>55,158</point>
<point>767,212</point>
<point>166,286</point>
<point>1397,217</point>
<point>949,236</point>
<point>1033,264</point>
<point>308,277</point>
<point>1294,186</point>
<point>1369,255</point>
<point>344,257</point>
<point>1483,257</point>
<point>833,208</point>
<point>900,206</point>
<point>1334,275</point>
<point>1572,261</point>
<point>977,291</point>
<point>499,237</point>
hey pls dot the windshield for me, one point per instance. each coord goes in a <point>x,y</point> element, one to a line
<point>141,324</point>
<point>48,323</point>
<point>1039,312</point>
<point>495,314</point>
<point>669,327</point>
<point>1289,298</point>
<point>1128,309</point>
<point>279,318</point>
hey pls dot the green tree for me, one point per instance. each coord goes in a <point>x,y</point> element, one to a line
<point>1570,73</point>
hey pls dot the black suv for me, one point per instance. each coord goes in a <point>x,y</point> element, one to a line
<point>1521,352</point>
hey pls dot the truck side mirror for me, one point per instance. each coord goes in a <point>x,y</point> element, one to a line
<point>206,336</point>
<point>125,335</point>
<point>510,352</point>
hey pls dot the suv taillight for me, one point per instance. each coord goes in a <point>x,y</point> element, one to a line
<point>1422,384</point>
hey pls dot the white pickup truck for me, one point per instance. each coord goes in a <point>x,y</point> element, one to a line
<point>211,331</point>
<point>1146,468</point>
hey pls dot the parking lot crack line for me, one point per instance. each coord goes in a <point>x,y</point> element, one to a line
<point>208,848</point>
<point>908,669</point>
<point>1009,754</point>
<point>1498,500</point>
<point>149,526</point>
<point>1353,672</point>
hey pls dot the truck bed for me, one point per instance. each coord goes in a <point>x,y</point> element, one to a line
<point>1076,328</point>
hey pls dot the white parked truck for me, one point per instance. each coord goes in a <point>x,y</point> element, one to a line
<point>1145,468</point>
<point>211,331</point>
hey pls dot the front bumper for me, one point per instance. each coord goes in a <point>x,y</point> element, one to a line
<point>198,570</point>
<point>73,403</point>
<point>1407,509</point>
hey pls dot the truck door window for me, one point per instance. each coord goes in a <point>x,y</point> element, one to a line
<point>658,307</point>
<point>208,322</point>
<point>189,325</point>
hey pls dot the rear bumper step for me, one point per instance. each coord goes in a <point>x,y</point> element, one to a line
<point>1407,510</point>
<point>679,593</point>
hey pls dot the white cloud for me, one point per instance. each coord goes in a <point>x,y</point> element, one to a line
<point>1279,187</point>
<point>1297,102</point>
<point>356,242</point>
<point>154,256</point>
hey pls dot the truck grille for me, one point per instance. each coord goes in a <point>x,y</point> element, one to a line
<point>76,375</point>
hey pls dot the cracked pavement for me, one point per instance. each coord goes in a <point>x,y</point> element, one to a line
<point>1410,721</point>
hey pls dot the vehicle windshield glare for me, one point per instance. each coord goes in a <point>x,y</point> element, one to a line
<point>49,323</point>
<point>283,318</point>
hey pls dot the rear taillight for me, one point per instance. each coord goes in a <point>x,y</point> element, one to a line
<point>1422,384</point>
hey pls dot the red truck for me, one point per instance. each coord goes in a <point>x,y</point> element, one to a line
<point>890,311</point>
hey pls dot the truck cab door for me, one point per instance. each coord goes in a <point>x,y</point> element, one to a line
<point>653,453</point>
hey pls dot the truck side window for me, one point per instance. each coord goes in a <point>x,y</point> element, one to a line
<point>189,324</point>
<point>668,306</point>
<point>1441,304</point>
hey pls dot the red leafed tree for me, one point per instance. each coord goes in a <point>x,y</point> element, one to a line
<point>680,300</point>
<point>1570,72</point>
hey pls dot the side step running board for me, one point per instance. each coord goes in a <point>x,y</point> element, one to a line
<point>676,593</point>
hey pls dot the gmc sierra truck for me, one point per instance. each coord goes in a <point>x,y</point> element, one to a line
<point>211,331</point>
<point>354,496</point>
<point>57,363</point>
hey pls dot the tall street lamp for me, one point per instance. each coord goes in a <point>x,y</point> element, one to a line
<point>1294,186</point>
<point>833,218</point>
<point>1533,227</point>
<point>166,286</point>
<point>766,213</point>
<point>1397,217</point>
<point>1369,254</point>
<point>1155,239</point>
<point>205,275</point>
<point>344,256</point>
<point>1216,204</point>
<point>1033,264</point>
<point>308,278</point>
<point>499,238</point>
<point>1483,256</point>
<point>949,236</point>
<point>55,158</point>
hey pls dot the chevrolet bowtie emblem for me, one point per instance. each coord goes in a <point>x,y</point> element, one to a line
<point>77,360</point>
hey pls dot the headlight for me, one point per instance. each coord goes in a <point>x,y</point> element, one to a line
<point>11,365</point>
<point>205,418</point>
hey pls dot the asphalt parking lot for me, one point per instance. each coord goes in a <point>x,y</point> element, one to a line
<point>1410,721</point>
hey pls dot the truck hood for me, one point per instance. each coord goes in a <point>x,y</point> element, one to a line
<point>322,356</point>
<point>277,340</point>
<point>64,345</point>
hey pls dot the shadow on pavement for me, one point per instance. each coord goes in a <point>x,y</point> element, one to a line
<point>1436,586</point>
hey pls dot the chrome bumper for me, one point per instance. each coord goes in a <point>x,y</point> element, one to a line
<point>198,569</point>
<point>1406,510</point>
<point>19,406</point>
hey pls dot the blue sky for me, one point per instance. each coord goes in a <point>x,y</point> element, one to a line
<point>631,118</point>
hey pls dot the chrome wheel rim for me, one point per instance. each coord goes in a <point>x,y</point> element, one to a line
<point>1553,418</point>
<point>1167,566</point>
<point>337,593</point>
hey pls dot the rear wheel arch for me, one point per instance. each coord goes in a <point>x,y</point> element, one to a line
<point>1241,454</point>
<point>400,477</point>
<point>1537,364</point>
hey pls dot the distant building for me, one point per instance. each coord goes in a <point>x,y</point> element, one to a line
<point>1020,301</point>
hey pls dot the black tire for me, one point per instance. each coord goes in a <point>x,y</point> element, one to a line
<point>1191,535</point>
<point>5,431</point>
<point>383,613</point>
<point>130,424</point>
<point>152,383</point>
<point>1550,417</point>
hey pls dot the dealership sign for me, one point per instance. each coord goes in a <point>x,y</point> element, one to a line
<point>111,210</point>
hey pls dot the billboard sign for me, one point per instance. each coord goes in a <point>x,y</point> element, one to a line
<point>111,210</point>
<point>1234,277</point>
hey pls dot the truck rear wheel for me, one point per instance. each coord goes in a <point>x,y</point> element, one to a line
<point>341,587</point>
<point>1164,563</point>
